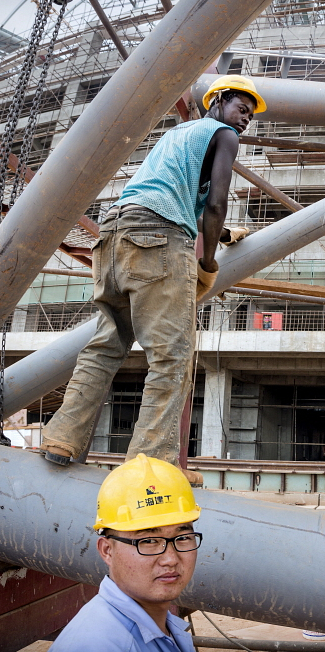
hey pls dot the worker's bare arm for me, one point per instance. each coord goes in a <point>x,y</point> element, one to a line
<point>226,147</point>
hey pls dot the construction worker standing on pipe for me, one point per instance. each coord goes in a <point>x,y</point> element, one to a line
<point>145,516</point>
<point>147,279</point>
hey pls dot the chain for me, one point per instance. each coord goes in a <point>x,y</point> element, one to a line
<point>42,13</point>
<point>26,147</point>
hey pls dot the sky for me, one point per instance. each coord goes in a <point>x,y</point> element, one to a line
<point>23,19</point>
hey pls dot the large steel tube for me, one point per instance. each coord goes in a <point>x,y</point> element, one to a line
<point>269,245</point>
<point>30,378</point>
<point>156,74</point>
<point>258,560</point>
<point>285,99</point>
<point>44,370</point>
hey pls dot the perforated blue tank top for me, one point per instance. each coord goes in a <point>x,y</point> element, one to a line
<point>167,182</point>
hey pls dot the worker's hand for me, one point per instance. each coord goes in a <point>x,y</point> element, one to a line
<point>205,280</point>
<point>238,233</point>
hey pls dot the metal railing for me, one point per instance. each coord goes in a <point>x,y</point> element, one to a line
<point>286,320</point>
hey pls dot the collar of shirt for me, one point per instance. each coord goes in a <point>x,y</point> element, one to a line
<point>149,630</point>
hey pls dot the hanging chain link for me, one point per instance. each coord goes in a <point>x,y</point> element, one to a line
<point>42,14</point>
<point>26,147</point>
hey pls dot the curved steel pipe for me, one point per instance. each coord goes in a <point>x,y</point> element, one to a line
<point>44,370</point>
<point>258,560</point>
<point>268,245</point>
<point>285,99</point>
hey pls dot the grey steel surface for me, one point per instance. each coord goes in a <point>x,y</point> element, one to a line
<point>258,560</point>
<point>285,99</point>
<point>149,82</point>
<point>42,371</point>
<point>268,245</point>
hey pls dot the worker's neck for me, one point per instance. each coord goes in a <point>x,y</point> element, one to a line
<point>158,613</point>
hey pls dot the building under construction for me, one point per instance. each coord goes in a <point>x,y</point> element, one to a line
<point>254,422</point>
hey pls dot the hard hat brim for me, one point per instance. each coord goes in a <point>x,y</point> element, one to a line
<point>148,522</point>
<point>260,106</point>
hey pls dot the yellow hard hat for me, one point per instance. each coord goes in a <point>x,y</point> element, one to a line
<point>234,83</point>
<point>145,493</point>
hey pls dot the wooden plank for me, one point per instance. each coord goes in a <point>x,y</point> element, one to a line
<point>282,286</point>
<point>38,646</point>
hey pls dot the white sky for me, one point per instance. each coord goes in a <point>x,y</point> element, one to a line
<point>23,19</point>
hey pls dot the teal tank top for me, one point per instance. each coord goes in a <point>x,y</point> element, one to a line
<point>167,182</point>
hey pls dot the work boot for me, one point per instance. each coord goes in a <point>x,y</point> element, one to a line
<point>195,478</point>
<point>57,455</point>
<point>238,233</point>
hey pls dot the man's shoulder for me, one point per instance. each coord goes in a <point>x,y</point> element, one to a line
<point>96,627</point>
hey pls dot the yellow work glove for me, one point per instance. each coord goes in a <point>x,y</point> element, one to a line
<point>237,234</point>
<point>205,281</point>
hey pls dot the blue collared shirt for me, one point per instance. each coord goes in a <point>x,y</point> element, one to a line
<point>113,622</point>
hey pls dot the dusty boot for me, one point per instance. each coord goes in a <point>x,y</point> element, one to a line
<point>238,233</point>
<point>195,478</point>
<point>57,455</point>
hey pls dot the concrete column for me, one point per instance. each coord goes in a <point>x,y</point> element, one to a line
<point>216,411</point>
<point>19,321</point>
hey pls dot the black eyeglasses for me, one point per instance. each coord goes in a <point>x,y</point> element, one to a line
<point>157,545</point>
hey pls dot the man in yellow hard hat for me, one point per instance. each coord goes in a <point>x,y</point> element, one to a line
<point>145,516</point>
<point>147,279</point>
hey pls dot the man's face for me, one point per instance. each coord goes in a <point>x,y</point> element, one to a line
<point>149,579</point>
<point>238,112</point>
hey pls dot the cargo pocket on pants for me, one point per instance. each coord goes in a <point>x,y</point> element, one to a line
<point>146,256</point>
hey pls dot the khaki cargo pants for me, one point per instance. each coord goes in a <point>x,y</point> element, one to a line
<point>145,286</point>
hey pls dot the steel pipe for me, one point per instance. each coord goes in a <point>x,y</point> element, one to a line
<point>285,99</point>
<point>267,187</point>
<point>268,245</point>
<point>254,644</point>
<point>82,273</point>
<point>283,296</point>
<point>109,28</point>
<point>258,560</point>
<point>149,82</point>
<point>42,371</point>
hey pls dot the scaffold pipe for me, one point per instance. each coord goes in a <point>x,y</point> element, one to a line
<point>285,99</point>
<point>149,82</point>
<point>258,560</point>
